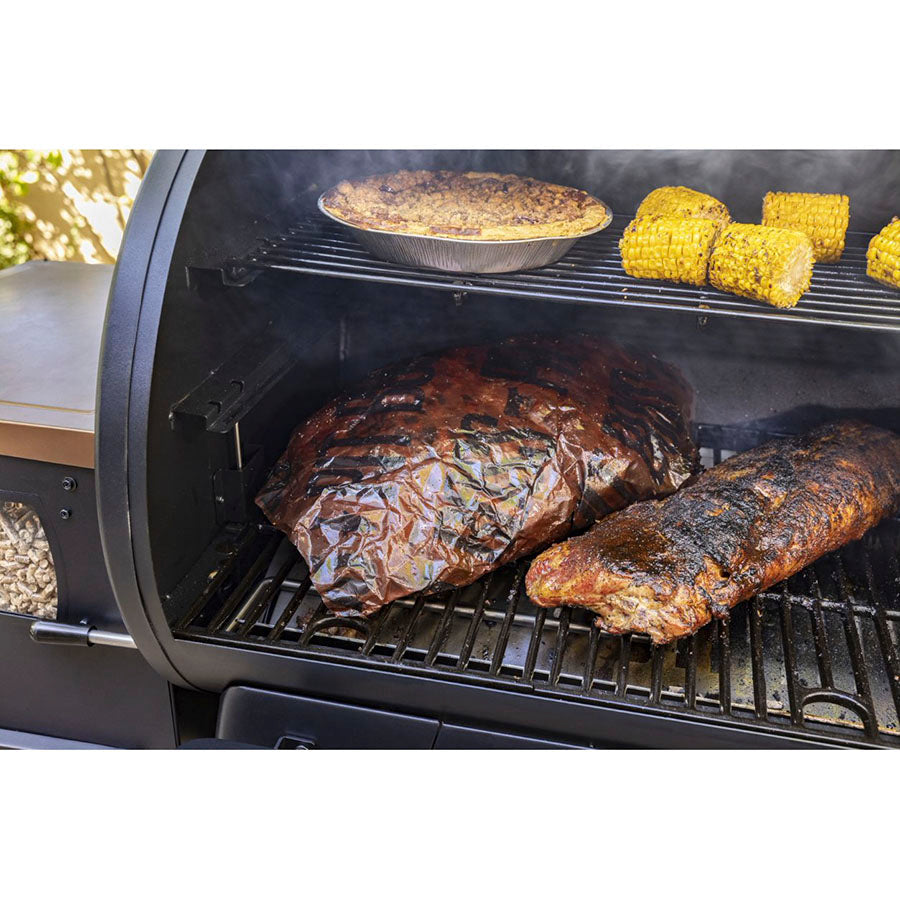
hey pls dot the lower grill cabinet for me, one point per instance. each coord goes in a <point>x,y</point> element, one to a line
<point>816,656</point>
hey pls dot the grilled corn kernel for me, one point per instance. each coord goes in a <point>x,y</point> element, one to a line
<point>883,255</point>
<point>684,202</point>
<point>824,217</point>
<point>668,247</point>
<point>763,263</point>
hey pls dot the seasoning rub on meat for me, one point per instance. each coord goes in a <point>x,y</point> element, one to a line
<point>665,568</point>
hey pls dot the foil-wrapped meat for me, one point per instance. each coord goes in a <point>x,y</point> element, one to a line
<point>433,472</point>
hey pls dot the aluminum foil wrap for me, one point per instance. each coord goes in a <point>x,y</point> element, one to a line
<point>434,472</point>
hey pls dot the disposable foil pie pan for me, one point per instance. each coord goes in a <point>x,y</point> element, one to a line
<point>463,256</point>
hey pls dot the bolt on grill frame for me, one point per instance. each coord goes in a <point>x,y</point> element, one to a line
<point>841,293</point>
<point>817,656</point>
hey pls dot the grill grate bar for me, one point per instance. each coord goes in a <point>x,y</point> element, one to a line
<point>213,584</point>
<point>841,294</point>
<point>376,626</point>
<point>562,633</point>
<point>690,675</point>
<point>624,662</point>
<point>879,616</point>
<point>537,633</point>
<point>466,652</point>
<point>790,662</point>
<point>403,643</point>
<point>316,232</point>
<point>723,641</point>
<point>590,662</point>
<point>593,266</point>
<point>757,661</point>
<point>826,304</point>
<point>823,651</point>
<point>290,610</point>
<point>246,617</point>
<point>245,584</point>
<point>877,592</point>
<point>658,655</point>
<point>321,619</point>
<point>890,657</point>
<point>443,629</point>
<point>512,601</point>
<point>857,658</point>
<point>829,294</point>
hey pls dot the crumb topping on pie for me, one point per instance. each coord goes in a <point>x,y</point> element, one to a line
<point>483,206</point>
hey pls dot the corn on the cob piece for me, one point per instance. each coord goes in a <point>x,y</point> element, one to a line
<point>763,263</point>
<point>824,217</point>
<point>684,202</point>
<point>883,255</point>
<point>668,247</point>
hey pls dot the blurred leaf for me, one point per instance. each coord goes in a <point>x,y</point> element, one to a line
<point>18,170</point>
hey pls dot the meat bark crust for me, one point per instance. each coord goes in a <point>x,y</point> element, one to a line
<point>665,568</point>
<point>434,472</point>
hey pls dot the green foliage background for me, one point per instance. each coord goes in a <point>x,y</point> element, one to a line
<point>19,169</point>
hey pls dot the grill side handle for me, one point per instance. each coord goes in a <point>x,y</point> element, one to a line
<point>79,635</point>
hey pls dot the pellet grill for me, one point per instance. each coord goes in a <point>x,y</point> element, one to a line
<point>236,309</point>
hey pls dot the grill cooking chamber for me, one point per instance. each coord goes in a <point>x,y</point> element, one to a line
<point>236,312</point>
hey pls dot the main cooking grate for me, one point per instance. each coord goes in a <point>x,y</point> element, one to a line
<point>818,654</point>
<point>841,293</point>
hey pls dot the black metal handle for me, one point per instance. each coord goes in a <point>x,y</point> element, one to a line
<point>58,633</point>
<point>78,635</point>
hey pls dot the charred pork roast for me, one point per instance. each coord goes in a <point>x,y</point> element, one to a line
<point>665,568</point>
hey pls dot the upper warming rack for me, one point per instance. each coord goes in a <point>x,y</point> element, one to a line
<point>841,293</point>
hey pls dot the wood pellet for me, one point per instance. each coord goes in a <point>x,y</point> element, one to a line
<point>27,574</point>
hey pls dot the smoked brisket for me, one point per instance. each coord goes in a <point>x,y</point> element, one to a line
<point>433,472</point>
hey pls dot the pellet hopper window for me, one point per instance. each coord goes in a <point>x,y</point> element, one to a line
<point>28,579</point>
